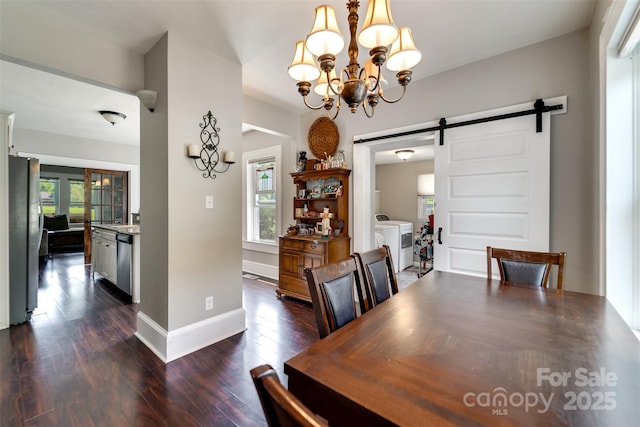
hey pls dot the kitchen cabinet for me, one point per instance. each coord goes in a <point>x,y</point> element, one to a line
<point>104,255</point>
<point>316,190</point>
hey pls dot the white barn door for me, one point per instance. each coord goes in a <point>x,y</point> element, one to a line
<point>492,189</point>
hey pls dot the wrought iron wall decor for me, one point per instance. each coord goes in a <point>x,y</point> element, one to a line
<point>207,156</point>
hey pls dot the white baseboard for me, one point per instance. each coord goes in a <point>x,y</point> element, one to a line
<point>174,344</point>
<point>152,335</point>
<point>264,270</point>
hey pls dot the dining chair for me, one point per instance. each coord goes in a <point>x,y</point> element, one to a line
<point>378,275</point>
<point>332,294</point>
<point>527,267</point>
<point>281,408</point>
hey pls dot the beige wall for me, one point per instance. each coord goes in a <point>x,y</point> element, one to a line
<point>154,200</point>
<point>36,39</point>
<point>204,244</point>
<point>188,252</point>
<point>555,67</point>
<point>398,185</point>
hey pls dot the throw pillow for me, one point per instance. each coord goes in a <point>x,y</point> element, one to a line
<point>56,222</point>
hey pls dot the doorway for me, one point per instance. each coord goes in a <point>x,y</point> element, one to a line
<point>364,160</point>
<point>42,103</point>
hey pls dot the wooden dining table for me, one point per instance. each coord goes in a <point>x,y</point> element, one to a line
<point>456,350</point>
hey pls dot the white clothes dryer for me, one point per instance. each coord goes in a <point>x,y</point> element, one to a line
<point>405,241</point>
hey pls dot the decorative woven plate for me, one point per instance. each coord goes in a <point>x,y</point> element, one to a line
<point>324,138</point>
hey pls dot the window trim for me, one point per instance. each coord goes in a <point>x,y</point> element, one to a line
<point>247,194</point>
<point>636,185</point>
<point>70,182</point>
<point>257,204</point>
<point>57,205</point>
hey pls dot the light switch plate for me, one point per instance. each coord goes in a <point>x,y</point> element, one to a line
<point>208,200</point>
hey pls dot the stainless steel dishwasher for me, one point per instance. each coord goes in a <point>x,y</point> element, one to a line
<point>125,242</point>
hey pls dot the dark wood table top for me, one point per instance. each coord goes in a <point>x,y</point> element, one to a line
<point>460,351</point>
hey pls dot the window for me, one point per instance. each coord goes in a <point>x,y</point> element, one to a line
<point>426,190</point>
<point>263,215</point>
<point>261,199</point>
<point>425,207</point>
<point>621,180</point>
<point>76,200</point>
<point>50,195</point>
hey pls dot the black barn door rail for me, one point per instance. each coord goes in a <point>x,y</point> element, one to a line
<point>538,109</point>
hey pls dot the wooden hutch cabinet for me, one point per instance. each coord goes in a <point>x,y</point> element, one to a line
<point>315,191</point>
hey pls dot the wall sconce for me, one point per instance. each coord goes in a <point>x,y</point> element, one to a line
<point>206,156</point>
<point>148,98</point>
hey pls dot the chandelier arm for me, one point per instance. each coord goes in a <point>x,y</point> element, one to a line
<point>330,86</point>
<point>375,87</point>
<point>364,108</point>
<point>336,114</point>
<point>304,98</point>
<point>393,101</point>
<point>356,82</point>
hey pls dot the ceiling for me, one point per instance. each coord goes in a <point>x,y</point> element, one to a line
<point>260,35</point>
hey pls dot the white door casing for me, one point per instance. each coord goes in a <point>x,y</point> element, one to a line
<point>492,189</point>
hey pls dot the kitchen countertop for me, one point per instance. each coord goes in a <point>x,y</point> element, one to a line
<point>120,228</point>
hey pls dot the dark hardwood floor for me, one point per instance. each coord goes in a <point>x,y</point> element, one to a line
<point>77,363</point>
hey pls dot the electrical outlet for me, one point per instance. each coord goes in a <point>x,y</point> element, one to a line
<point>208,303</point>
<point>208,201</point>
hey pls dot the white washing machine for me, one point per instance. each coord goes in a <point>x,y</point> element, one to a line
<point>390,236</point>
<point>404,241</point>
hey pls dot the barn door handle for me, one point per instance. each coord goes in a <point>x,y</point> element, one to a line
<point>439,235</point>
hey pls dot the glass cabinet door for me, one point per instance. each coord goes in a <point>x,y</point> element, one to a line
<point>108,198</point>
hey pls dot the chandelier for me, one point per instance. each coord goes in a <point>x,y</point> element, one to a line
<point>356,86</point>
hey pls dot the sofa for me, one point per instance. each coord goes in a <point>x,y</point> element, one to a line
<point>60,236</point>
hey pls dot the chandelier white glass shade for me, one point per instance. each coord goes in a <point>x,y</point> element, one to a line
<point>316,55</point>
<point>404,155</point>
<point>112,117</point>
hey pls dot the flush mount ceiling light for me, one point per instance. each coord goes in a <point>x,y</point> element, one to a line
<point>404,154</point>
<point>112,117</point>
<point>355,85</point>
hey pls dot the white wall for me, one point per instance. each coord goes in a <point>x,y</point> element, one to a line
<point>6,122</point>
<point>56,44</point>
<point>50,144</point>
<point>555,67</point>
<point>268,118</point>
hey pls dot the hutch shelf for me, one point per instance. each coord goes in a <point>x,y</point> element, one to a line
<point>316,190</point>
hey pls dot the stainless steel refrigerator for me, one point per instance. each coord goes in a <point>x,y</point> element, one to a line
<point>24,237</point>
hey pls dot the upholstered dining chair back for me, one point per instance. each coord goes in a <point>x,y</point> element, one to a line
<point>332,294</point>
<point>378,275</point>
<point>281,408</point>
<point>526,267</point>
